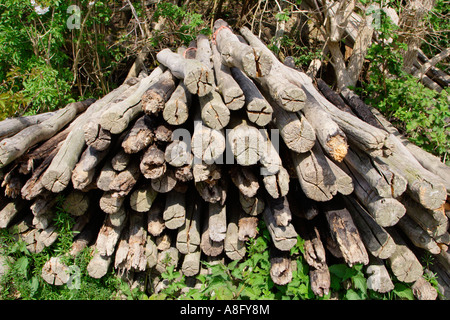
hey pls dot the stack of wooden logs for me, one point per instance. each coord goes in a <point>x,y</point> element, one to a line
<point>180,165</point>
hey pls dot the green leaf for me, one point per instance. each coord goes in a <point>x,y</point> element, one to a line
<point>403,292</point>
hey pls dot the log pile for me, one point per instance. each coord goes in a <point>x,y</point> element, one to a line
<point>181,165</point>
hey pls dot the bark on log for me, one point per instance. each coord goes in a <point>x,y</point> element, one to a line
<point>344,182</point>
<point>11,126</point>
<point>155,98</point>
<point>140,135</point>
<point>15,146</point>
<point>254,62</point>
<point>58,175</point>
<point>232,94</point>
<point>376,239</point>
<point>108,237</point>
<point>258,109</point>
<point>117,118</point>
<point>418,236</point>
<point>314,174</point>
<point>84,171</point>
<point>98,137</point>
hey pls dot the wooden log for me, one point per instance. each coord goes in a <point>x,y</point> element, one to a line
<point>367,137</point>
<point>98,266</point>
<point>155,220</point>
<point>191,264</point>
<point>207,144</point>
<point>209,247</point>
<point>213,191</point>
<point>33,158</point>
<point>108,237</point>
<point>320,281</point>
<point>206,172</point>
<point>376,239</point>
<point>231,92</point>
<point>296,132</point>
<point>15,146</point>
<point>55,272</point>
<point>153,164</point>
<point>284,238</point>
<point>76,203</point>
<point>140,136</point>
<point>332,96</point>
<point>164,183</point>
<point>183,174</point>
<point>136,258</point>
<point>403,263</point>
<point>11,126</point>
<point>423,290</point>
<point>125,180</point>
<point>178,154</point>
<point>277,185</point>
<point>167,258</point>
<point>176,109</point>
<point>270,158</point>
<point>94,134</point>
<point>84,172</point>
<point>9,211</point>
<point>188,236</point>
<point>360,108</point>
<point>344,182</point>
<point>106,175</point>
<point>434,222</point>
<point>424,186</point>
<point>314,250</point>
<point>197,77</point>
<point>252,206</point>
<point>155,97</point>
<point>174,214</point>
<point>386,211</point>
<point>110,203</point>
<point>314,174</point>
<point>58,174</point>
<point>118,218</point>
<point>151,252</point>
<point>235,249</point>
<point>378,278</point>
<point>246,142</point>
<point>385,180</point>
<point>280,267</point>
<point>12,183</point>
<point>255,63</point>
<point>258,109</point>
<point>245,180</point>
<point>117,118</point>
<point>345,233</point>
<point>427,160</point>
<point>120,160</point>
<point>217,221</point>
<point>281,211</point>
<point>142,198</point>
<point>214,112</point>
<point>419,237</point>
